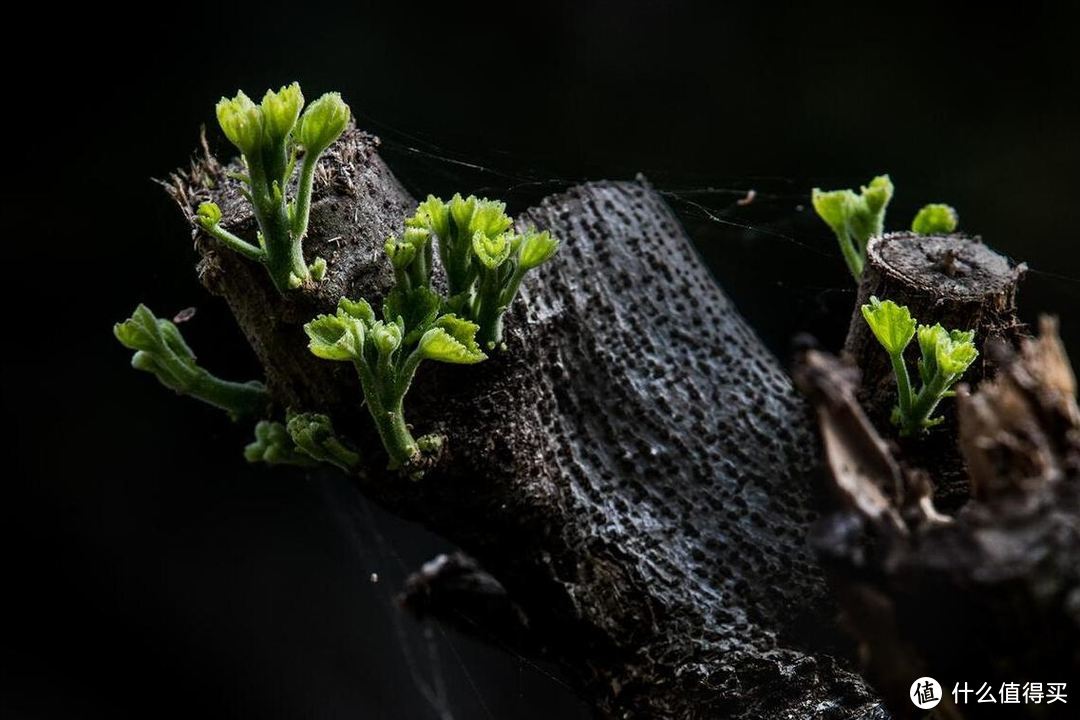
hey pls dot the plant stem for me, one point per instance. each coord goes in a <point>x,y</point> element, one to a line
<point>233,242</point>
<point>927,401</point>
<point>852,256</point>
<point>489,310</point>
<point>240,400</point>
<point>399,442</point>
<point>389,416</point>
<point>903,385</point>
<point>284,258</point>
<point>302,212</point>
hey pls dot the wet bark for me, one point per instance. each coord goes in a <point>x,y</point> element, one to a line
<point>635,471</point>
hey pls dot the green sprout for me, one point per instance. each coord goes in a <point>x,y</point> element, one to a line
<point>273,446</point>
<point>387,352</point>
<point>484,259</point>
<point>935,219</point>
<point>305,440</point>
<point>269,136</point>
<point>485,262</point>
<point>855,218</point>
<point>945,356</point>
<point>160,349</point>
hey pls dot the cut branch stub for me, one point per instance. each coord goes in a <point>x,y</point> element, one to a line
<point>954,280</point>
<point>357,204</point>
<point>957,281</point>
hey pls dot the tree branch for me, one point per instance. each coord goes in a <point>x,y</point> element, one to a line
<point>635,469</point>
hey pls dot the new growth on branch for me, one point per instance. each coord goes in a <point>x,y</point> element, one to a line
<point>483,256</point>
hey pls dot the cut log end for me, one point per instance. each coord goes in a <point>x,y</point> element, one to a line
<point>951,267</point>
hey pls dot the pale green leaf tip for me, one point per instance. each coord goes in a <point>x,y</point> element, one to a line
<point>313,434</point>
<point>242,122</point>
<point>878,193</point>
<point>452,340</point>
<point>891,324</point>
<point>281,109</point>
<point>492,251</point>
<point>954,358</point>
<point>358,309</point>
<point>400,253</point>
<point>386,336</point>
<point>273,445</point>
<point>537,248</point>
<point>331,338</point>
<point>323,122</point>
<point>935,219</point>
<point>208,215</point>
<point>833,206</point>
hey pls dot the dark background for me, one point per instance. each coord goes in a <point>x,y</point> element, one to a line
<point>148,570</point>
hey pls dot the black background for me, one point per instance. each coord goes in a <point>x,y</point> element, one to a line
<point>148,570</point>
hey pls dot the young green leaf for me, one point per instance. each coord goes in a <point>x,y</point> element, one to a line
<point>954,358</point>
<point>835,207</point>
<point>242,122</point>
<point>401,254</point>
<point>410,257</point>
<point>313,434</point>
<point>875,197</point>
<point>929,337</point>
<point>386,336</point>
<point>537,248</point>
<point>489,217</point>
<point>891,324</point>
<point>323,122</point>
<point>935,219</point>
<point>452,340</point>
<point>161,350</point>
<point>491,250</point>
<point>945,356</point>
<point>336,337</point>
<point>208,214</point>
<point>357,309</point>
<point>854,218</point>
<point>416,308</point>
<point>280,111</point>
<point>432,215</point>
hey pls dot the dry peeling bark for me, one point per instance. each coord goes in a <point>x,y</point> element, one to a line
<point>636,470</point>
<point>990,594</point>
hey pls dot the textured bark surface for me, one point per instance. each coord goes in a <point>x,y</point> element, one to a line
<point>954,280</point>
<point>635,470</point>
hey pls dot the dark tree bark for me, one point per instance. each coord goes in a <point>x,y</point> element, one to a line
<point>635,470</point>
